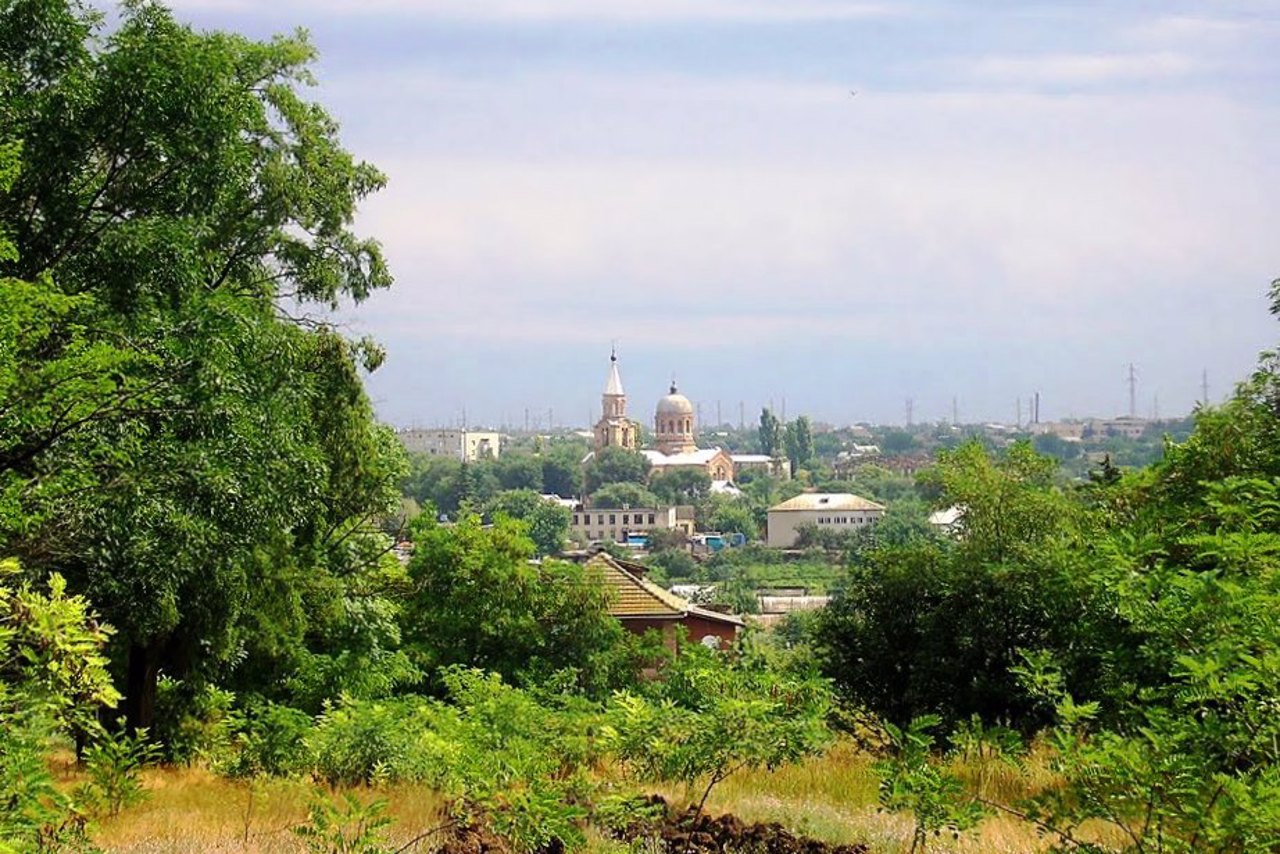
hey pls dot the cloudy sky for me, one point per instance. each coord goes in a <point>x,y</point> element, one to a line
<point>844,204</point>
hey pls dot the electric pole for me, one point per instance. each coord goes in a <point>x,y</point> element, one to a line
<point>1133,392</point>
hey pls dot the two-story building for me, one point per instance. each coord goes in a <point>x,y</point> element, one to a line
<point>839,511</point>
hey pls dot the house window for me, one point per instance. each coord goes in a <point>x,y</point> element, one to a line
<point>613,519</point>
<point>599,518</point>
<point>575,518</point>
<point>626,519</point>
<point>650,518</point>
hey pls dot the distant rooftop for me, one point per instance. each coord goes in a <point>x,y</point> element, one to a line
<point>826,501</point>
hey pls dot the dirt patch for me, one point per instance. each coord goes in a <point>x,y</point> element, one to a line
<point>689,832</point>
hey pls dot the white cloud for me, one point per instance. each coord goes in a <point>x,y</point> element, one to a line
<point>1082,68</point>
<point>621,11</point>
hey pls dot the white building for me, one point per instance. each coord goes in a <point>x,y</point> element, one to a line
<point>613,524</point>
<point>839,511</point>
<point>465,445</point>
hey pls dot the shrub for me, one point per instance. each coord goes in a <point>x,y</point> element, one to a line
<point>272,739</point>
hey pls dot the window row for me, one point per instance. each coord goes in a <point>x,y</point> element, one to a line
<point>627,518</point>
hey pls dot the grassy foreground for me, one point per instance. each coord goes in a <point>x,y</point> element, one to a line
<point>832,798</point>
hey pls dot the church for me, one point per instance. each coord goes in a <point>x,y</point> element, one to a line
<point>673,435</point>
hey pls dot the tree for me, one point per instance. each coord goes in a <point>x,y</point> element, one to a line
<point>548,522</point>
<point>180,423</point>
<point>477,600</point>
<point>561,476</point>
<point>616,465</point>
<point>681,486</point>
<point>799,442</point>
<point>519,471</point>
<point>730,516</point>
<point>770,433</point>
<point>624,495</point>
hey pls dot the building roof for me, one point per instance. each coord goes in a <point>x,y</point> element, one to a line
<point>675,403</point>
<point>751,458</point>
<point>947,517</point>
<point>700,457</point>
<point>825,501</point>
<point>638,597</point>
<point>613,384</point>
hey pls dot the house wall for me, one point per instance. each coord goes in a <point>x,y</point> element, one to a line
<point>785,525</point>
<point>465,445</point>
<point>613,524</point>
<point>698,628</point>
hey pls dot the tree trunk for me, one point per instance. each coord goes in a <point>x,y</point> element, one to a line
<point>140,686</point>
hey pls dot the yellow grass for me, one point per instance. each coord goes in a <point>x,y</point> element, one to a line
<point>833,798</point>
<point>195,810</point>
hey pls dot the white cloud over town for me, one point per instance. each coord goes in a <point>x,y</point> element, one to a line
<point>1059,193</point>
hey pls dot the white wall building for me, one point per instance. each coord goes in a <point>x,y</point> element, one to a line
<point>612,524</point>
<point>839,511</point>
<point>465,445</point>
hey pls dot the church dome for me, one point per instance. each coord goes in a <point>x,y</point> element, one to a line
<point>675,403</point>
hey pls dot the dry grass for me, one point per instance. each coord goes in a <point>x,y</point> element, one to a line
<point>195,810</point>
<point>833,798</point>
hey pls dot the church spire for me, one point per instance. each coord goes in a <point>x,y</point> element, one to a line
<point>613,384</point>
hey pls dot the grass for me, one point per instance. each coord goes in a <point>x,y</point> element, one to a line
<point>194,809</point>
<point>833,798</point>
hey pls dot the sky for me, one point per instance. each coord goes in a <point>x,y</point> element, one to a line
<point>839,204</point>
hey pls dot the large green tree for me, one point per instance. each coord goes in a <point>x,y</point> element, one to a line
<point>770,433</point>
<point>615,465</point>
<point>171,420</point>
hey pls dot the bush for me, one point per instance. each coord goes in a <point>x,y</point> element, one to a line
<point>386,741</point>
<point>193,722</point>
<point>272,740</point>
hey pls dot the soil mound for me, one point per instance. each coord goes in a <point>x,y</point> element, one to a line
<point>692,833</point>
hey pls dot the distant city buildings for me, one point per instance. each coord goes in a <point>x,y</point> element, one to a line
<point>465,445</point>
<point>675,446</point>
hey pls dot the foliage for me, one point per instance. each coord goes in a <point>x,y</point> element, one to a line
<point>167,422</point>
<point>548,523</point>
<point>476,599</point>
<point>799,442</point>
<point>53,678</point>
<point>681,486</point>
<point>710,718</point>
<point>349,828</point>
<point>194,721</point>
<point>934,626</point>
<point>770,433</point>
<point>623,495</point>
<point>912,779</point>
<point>114,763</point>
<point>272,740</point>
<point>615,465</point>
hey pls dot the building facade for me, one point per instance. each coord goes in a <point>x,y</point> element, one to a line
<point>465,445</point>
<point>613,524</point>
<point>839,511</point>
